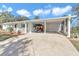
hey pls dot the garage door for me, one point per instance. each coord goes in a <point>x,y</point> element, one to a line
<point>53,27</point>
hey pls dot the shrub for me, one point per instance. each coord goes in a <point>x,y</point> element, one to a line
<point>74,32</point>
<point>0,26</point>
<point>10,29</point>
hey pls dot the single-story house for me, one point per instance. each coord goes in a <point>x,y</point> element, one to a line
<point>60,24</point>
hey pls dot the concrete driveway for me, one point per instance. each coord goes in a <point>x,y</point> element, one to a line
<point>52,45</point>
<point>16,46</point>
<point>38,44</point>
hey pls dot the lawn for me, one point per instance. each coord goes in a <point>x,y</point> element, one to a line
<point>5,36</point>
<point>75,43</point>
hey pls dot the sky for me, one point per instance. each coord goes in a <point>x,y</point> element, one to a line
<point>43,10</point>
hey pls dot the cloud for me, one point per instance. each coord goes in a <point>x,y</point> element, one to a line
<point>37,12</point>
<point>41,12</point>
<point>23,12</point>
<point>3,6</point>
<point>56,11</point>
<point>47,11</point>
<point>0,11</point>
<point>60,11</point>
<point>9,9</point>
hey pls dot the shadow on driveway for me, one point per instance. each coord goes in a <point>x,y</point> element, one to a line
<point>15,48</point>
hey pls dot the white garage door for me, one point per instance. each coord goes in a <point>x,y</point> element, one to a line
<point>53,27</point>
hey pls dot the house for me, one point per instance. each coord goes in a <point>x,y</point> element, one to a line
<point>60,24</point>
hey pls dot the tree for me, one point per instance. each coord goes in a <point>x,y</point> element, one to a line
<point>75,10</point>
<point>21,18</point>
<point>36,17</point>
<point>6,17</point>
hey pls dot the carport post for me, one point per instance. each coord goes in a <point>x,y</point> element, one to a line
<point>44,26</point>
<point>64,26</point>
<point>68,25</point>
<point>18,27</point>
<point>25,28</point>
<point>13,26</point>
<point>30,27</point>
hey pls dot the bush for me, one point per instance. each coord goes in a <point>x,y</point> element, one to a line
<point>74,32</point>
<point>0,26</point>
<point>10,29</point>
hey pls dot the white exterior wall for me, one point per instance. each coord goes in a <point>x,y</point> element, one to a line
<point>5,26</point>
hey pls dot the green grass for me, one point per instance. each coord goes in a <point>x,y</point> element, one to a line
<point>75,43</point>
<point>5,36</point>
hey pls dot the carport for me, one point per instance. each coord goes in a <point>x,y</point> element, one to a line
<point>50,25</point>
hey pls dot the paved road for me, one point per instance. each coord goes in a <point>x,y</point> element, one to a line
<point>37,44</point>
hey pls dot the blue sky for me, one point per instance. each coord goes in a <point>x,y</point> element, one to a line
<point>43,10</point>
